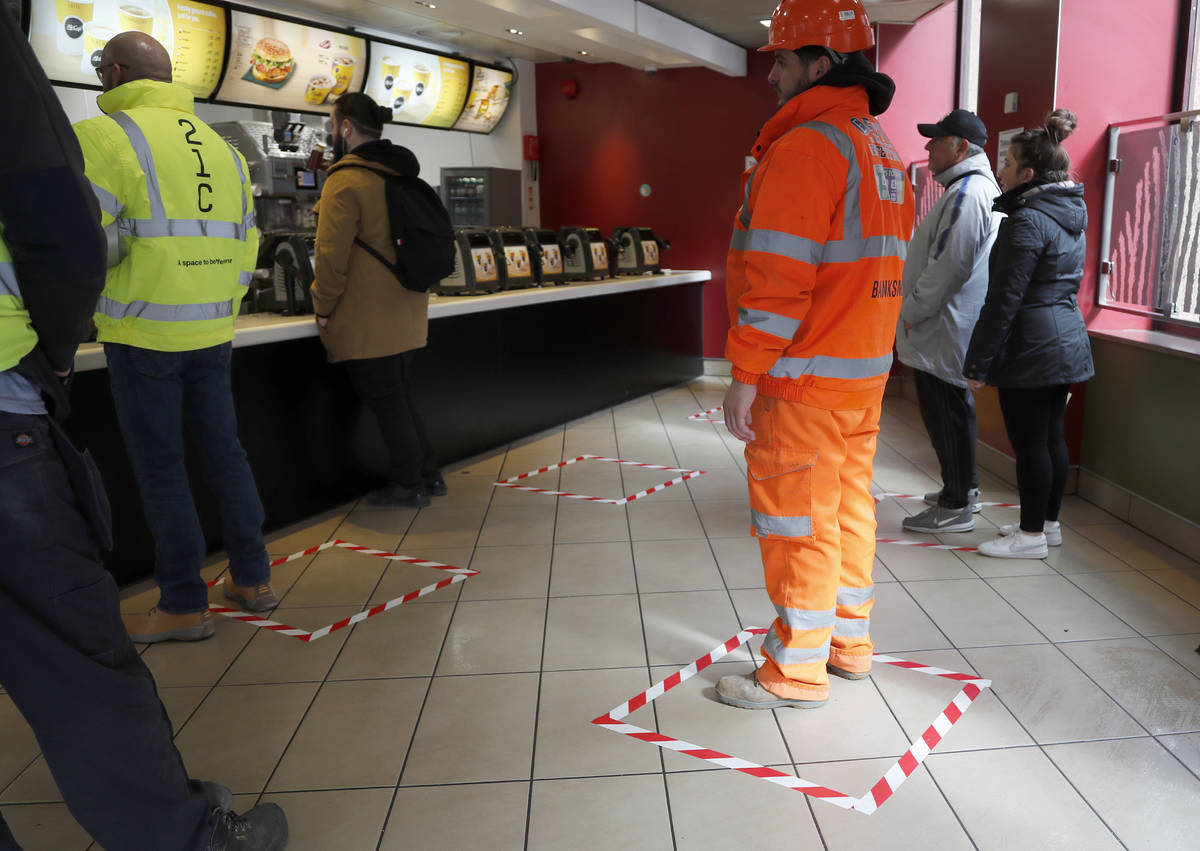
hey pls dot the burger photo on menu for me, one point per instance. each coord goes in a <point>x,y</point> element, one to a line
<point>271,62</point>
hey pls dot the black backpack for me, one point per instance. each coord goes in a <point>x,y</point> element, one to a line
<point>421,232</point>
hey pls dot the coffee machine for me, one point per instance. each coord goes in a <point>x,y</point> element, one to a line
<point>477,269</point>
<point>585,254</point>
<point>639,251</point>
<point>286,186</point>
<point>511,249</point>
<point>547,256</point>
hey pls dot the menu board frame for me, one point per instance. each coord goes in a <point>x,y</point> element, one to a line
<point>230,8</point>
<point>507,69</point>
<point>373,40</point>
<point>27,23</point>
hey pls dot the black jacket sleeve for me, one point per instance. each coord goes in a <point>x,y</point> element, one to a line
<point>1014,257</point>
<point>50,216</point>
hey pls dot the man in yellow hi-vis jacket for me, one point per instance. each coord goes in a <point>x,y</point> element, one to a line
<point>178,209</point>
<point>813,285</point>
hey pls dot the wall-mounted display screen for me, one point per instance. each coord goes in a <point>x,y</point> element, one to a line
<point>68,37</point>
<point>491,89</point>
<point>284,65</point>
<point>421,88</point>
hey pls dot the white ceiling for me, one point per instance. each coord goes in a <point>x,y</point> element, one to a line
<point>658,33</point>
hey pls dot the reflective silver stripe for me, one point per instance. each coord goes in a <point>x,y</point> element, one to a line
<point>108,202</point>
<point>806,618</point>
<point>8,280</point>
<point>150,228</point>
<point>164,312</point>
<point>852,212</point>
<point>247,219</point>
<point>158,225</point>
<point>855,596</point>
<point>794,655</point>
<point>244,279</point>
<point>745,212</point>
<point>112,235</point>
<point>851,250</point>
<point>852,627</point>
<point>791,527</point>
<point>778,242</point>
<point>770,323</point>
<point>827,366</point>
<point>146,160</point>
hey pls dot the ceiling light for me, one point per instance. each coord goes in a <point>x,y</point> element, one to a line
<point>583,53</point>
<point>766,23</point>
<point>515,31</point>
<point>427,5</point>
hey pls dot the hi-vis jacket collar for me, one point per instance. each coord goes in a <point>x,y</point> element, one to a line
<point>139,93</point>
<point>804,107</point>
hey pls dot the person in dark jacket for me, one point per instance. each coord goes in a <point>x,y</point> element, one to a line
<point>66,662</point>
<point>1031,341</point>
<point>368,321</point>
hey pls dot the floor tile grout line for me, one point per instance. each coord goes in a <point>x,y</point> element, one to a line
<point>646,643</point>
<point>537,706</point>
<point>1195,772</point>
<point>1117,616</point>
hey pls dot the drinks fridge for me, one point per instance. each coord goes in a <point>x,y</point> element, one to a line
<point>482,197</point>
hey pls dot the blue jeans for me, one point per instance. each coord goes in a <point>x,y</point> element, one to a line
<point>155,393</point>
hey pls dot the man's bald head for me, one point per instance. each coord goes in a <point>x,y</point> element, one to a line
<point>138,56</point>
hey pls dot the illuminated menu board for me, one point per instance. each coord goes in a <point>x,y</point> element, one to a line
<point>285,65</point>
<point>491,89</point>
<point>68,37</point>
<point>421,88</point>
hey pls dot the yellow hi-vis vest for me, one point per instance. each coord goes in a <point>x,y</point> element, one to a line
<point>177,204</point>
<point>17,337</point>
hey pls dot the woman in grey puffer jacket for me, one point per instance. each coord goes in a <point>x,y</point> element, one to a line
<point>1031,341</point>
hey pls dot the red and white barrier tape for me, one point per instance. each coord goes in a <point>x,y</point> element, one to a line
<point>867,804</point>
<point>704,416</point>
<point>880,497</point>
<point>254,619</point>
<point>687,474</point>
<point>928,545</point>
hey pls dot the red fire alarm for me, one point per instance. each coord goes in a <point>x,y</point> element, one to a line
<point>570,88</point>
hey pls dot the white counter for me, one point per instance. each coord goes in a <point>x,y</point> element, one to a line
<point>260,328</point>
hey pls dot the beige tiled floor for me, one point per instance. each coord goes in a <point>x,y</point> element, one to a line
<point>461,719</point>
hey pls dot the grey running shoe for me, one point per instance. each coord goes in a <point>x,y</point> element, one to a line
<point>973,499</point>
<point>936,519</point>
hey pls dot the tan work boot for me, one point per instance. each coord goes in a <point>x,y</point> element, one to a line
<point>744,692</point>
<point>845,673</point>
<point>157,625</point>
<point>258,598</point>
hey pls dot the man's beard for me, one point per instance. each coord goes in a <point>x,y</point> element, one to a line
<point>339,147</point>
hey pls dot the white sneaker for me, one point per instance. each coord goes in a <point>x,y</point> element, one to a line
<point>1052,530</point>
<point>1017,545</point>
<point>974,497</point>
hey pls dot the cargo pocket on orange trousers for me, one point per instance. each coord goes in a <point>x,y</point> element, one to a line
<point>780,491</point>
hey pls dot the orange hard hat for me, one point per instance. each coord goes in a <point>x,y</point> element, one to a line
<point>840,25</point>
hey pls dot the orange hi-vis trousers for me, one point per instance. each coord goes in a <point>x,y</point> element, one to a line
<point>812,510</point>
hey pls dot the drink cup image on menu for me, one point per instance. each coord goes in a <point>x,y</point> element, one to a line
<point>343,72</point>
<point>72,15</point>
<point>95,36</point>
<point>319,88</point>
<point>271,61</point>
<point>135,17</point>
<point>402,90</point>
<point>420,79</point>
<point>389,70</point>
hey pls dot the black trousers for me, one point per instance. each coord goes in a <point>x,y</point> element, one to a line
<point>383,386</point>
<point>949,416</point>
<point>1033,418</point>
<point>69,667</point>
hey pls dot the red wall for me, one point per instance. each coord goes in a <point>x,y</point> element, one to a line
<point>685,132</point>
<point>922,61</point>
<point>1103,93</point>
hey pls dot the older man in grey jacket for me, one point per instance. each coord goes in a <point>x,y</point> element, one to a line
<point>945,281</point>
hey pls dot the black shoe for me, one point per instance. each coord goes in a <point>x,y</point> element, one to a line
<point>263,828</point>
<point>217,795</point>
<point>436,485</point>
<point>397,495</point>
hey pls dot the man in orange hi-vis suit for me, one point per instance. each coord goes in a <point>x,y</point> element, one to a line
<point>813,285</point>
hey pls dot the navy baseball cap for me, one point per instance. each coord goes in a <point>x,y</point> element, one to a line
<point>960,122</point>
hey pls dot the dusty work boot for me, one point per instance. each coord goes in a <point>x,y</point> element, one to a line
<point>937,519</point>
<point>1052,530</point>
<point>974,497</point>
<point>397,495</point>
<point>256,598</point>
<point>744,692</point>
<point>157,625</point>
<point>263,828</point>
<point>845,674</point>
